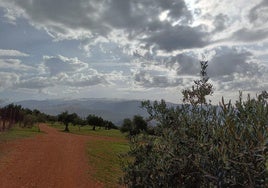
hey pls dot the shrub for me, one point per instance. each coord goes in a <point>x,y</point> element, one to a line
<point>220,146</point>
<point>202,145</point>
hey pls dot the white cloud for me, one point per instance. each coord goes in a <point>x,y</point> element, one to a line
<point>60,71</point>
<point>8,79</point>
<point>12,53</point>
<point>34,83</point>
<point>83,80</point>
<point>10,65</point>
<point>59,64</point>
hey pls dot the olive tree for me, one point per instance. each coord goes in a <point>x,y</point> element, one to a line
<point>201,145</point>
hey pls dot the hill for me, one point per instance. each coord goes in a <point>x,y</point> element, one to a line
<point>114,110</point>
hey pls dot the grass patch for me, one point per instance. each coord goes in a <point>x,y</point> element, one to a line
<point>87,130</point>
<point>17,132</point>
<point>103,157</point>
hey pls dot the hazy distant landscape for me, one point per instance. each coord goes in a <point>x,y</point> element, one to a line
<point>113,110</point>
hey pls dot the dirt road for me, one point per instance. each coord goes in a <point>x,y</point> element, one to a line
<point>52,159</point>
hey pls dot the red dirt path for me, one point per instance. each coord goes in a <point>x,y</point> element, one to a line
<point>53,159</point>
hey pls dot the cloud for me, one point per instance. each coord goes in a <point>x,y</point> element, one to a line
<point>78,80</point>
<point>10,65</point>
<point>60,71</point>
<point>12,53</point>
<point>258,14</point>
<point>8,79</point>
<point>148,80</point>
<point>172,38</point>
<point>59,64</point>
<point>229,61</point>
<point>36,83</point>
<point>170,26</point>
<point>186,24</point>
<point>170,34</point>
<point>220,22</point>
<point>10,60</point>
<point>230,69</point>
<point>155,75</point>
<point>132,20</point>
<point>240,82</point>
<point>183,64</point>
<point>247,35</point>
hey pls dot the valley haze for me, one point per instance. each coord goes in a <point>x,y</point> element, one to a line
<point>115,110</point>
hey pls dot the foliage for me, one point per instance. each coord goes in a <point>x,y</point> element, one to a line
<point>13,114</point>
<point>197,94</point>
<point>134,126</point>
<point>126,126</point>
<point>202,145</point>
<point>100,122</point>
<point>67,118</point>
<point>95,121</point>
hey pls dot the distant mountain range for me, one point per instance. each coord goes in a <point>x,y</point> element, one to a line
<point>114,110</point>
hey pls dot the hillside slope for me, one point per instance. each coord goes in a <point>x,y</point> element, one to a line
<point>112,110</point>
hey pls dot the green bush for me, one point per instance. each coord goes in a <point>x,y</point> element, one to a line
<point>201,145</point>
<point>211,146</point>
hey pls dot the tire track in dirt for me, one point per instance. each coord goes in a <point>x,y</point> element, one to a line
<point>52,159</point>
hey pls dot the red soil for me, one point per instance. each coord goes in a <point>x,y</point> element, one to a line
<point>52,159</point>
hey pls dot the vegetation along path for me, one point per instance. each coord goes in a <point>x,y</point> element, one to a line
<point>52,159</point>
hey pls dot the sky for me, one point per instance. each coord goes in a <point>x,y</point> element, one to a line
<point>131,49</point>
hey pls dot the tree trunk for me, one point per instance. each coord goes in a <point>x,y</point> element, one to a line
<point>94,128</point>
<point>66,128</point>
<point>4,125</point>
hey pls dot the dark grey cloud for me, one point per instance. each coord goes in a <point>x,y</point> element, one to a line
<point>138,20</point>
<point>178,37</point>
<point>183,64</point>
<point>259,13</point>
<point>220,22</point>
<point>229,69</point>
<point>247,35</point>
<point>234,70</point>
<point>226,61</point>
<point>51,13</point>
<point>96,15</point>
<point>232,61</point>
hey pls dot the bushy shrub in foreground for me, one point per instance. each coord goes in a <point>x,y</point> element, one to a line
<point>201,145</point>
